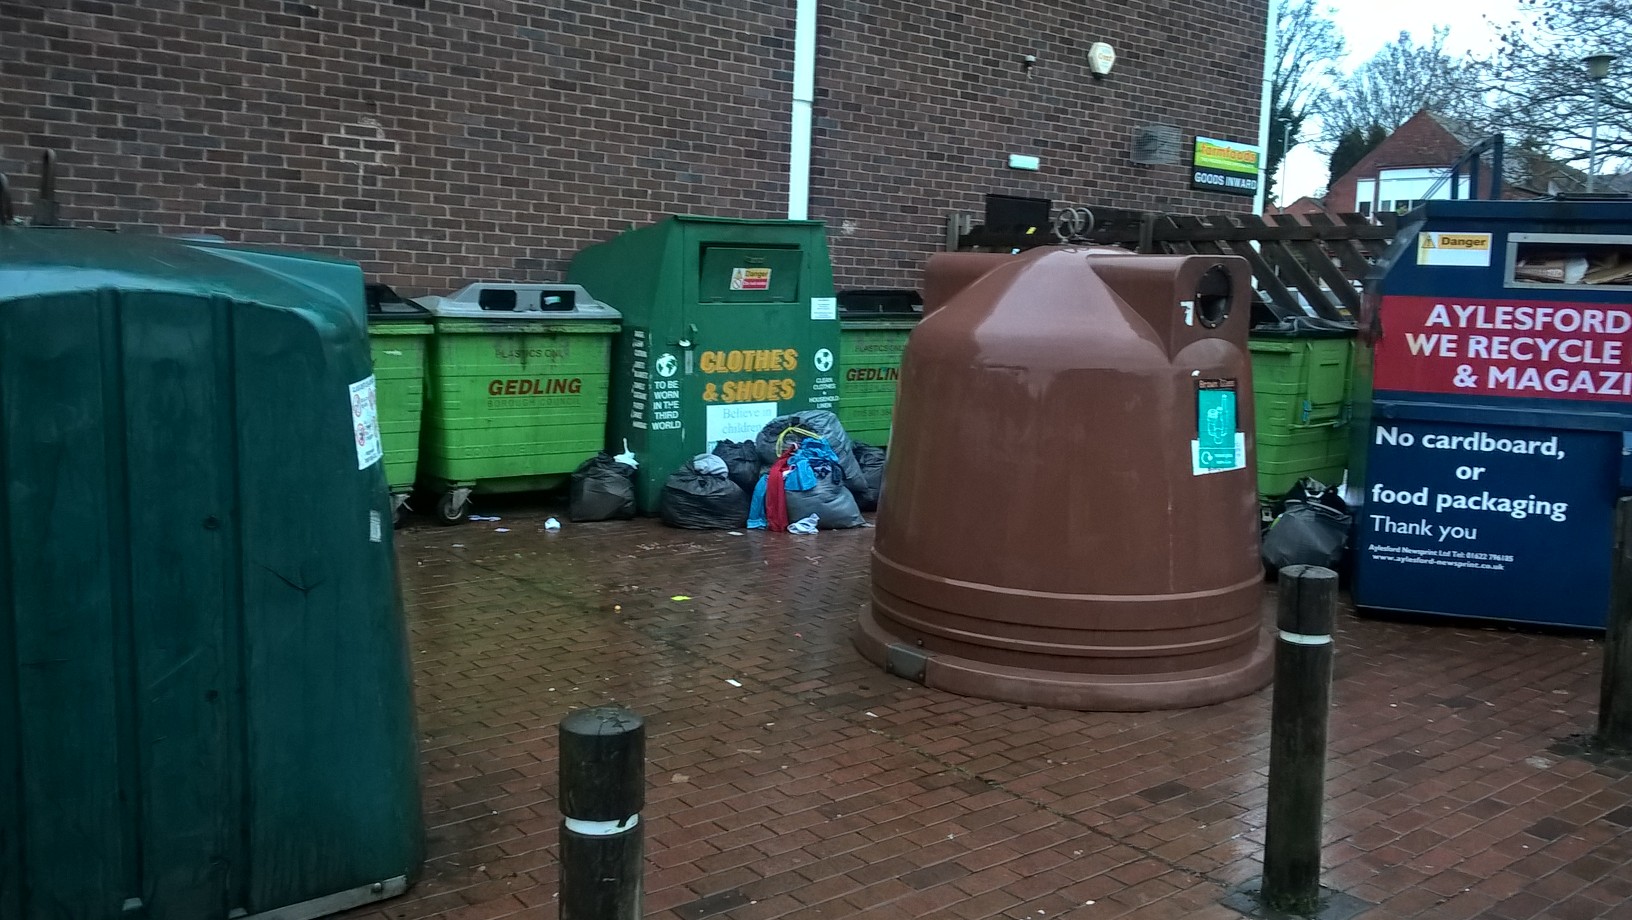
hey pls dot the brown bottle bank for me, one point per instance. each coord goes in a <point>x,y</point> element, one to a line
<point>1046,535</point>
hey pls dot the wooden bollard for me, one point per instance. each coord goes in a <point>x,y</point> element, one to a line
<point>1297,738</point>
<point>602,790</point>
<point>1615,697</point>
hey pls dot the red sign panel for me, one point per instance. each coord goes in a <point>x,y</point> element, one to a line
<point>1538,349</point>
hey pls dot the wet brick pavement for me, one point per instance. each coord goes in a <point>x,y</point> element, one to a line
<point>823,788</point>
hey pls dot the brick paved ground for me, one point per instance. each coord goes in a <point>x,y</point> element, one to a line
<point>823,788</point>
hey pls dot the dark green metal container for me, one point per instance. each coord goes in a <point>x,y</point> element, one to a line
<point>205,703</point>
<point>727,324</point>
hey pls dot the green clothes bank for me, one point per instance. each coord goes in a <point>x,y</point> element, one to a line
<point>205,699</point>
<point>726,325</point>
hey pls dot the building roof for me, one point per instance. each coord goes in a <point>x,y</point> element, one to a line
<point>1523,168</point>
<point>1429,139</point>
<point>1302,206</point>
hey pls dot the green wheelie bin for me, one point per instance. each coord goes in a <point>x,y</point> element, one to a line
<point>873,330</point>
<point>398,331</point>
<point>518,389</point>
<point>1301,372</point>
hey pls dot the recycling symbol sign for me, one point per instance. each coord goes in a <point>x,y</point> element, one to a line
<point>824,360</point>
<point>667,365</point>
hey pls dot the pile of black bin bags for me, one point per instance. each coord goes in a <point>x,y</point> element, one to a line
<point>822,475</point>
<point>1311,527</point>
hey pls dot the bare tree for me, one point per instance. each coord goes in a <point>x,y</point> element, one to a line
<point>1309,46</point>
<point>1544,95</point>
<point>1400,80</point>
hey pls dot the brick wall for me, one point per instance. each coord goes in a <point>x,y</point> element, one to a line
<point>438,141</point>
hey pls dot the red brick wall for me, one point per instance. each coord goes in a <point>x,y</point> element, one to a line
<point>438,141</point>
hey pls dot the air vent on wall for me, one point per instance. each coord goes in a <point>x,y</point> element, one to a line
<point>1156,145</point>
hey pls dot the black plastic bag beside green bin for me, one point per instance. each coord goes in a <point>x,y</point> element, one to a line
<point>602,489</point>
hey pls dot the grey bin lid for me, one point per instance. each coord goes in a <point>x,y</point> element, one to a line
<point>502,301</point>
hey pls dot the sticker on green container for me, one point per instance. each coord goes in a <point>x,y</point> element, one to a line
<point>1218,445</point>
<point>365,418</point>
<point>750,279</point>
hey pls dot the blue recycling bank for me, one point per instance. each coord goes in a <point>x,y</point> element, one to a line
<point>1499,431</point>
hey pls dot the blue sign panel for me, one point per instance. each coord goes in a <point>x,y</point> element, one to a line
<point>1486,521</point>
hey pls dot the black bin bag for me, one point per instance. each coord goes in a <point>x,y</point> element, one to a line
<point>742,463</point>
<point>871,461</point>
<point>696,500</point>
<point>1307,533</point>
<point>602,489</point>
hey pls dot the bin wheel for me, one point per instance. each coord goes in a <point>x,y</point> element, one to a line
<point>396,515</point>
<point>452,508</point>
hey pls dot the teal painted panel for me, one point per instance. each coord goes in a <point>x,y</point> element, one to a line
<point>320,602</point>
<point>75,856</point>
<point>179,463</point>
<point>11,801</point>
<point>205,696</point>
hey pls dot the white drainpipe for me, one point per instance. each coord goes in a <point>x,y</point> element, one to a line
<point>1272,53</point>
<point>804,98</point>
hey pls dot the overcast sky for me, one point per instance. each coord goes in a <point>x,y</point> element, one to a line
<point>1368,25</point>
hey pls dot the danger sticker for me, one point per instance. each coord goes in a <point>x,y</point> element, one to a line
<point>750,279</point>
<point>1460,249</point>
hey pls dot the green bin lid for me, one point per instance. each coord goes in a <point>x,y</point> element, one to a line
<point>1304,327</point>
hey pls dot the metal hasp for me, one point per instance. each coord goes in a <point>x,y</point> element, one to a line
<point>205,697</point>
<point>1493,412</point>
<point>1072,519</point>
<point>726,325</point>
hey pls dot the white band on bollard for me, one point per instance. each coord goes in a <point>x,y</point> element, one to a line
<point>600,828</point>
<point>1301,639</point>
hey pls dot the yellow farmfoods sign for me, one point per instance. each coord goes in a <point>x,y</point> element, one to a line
<point>1225,166</point>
